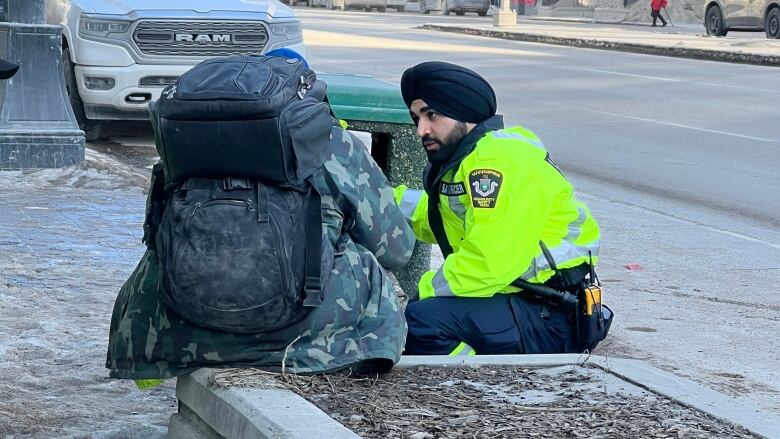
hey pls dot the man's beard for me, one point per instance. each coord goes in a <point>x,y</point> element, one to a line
<point>447,146</point>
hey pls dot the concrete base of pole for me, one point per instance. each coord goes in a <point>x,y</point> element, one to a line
<point>504,18</point>
<point>40,149</point>
<point>37,126</point>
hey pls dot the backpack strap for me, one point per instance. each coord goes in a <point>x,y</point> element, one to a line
<point>155,206</point>
<point>435,222</point>
<point>312,286</point>
<point>348,222</point>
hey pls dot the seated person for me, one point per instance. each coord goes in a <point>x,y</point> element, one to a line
<point>359,324</point>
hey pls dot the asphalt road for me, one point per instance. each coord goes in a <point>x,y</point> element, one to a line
<point>700,132</point>
<point>677,158</point>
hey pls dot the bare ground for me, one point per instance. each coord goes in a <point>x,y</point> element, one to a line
<point>492,402</point>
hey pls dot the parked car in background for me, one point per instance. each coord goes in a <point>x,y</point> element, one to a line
<point>379,5</point>
<point>118,55</point>
<point>459,7</point>
<point>721,16</point>
<point>398,5</point>
<point>412,6</point>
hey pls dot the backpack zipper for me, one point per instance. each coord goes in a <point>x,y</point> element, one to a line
<point>170,92</point>
<point>249,204</point>
<point>303,87</point>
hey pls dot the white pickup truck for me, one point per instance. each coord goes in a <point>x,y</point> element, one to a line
<point>119,54</point>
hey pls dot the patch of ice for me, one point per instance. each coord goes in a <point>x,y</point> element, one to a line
<point>98,171</point>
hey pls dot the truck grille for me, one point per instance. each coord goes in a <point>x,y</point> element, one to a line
<point>200,38</point>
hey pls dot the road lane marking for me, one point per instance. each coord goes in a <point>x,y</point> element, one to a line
<point>586,195</point>
<point>659,78</point>
<point>316,38</point>
<point>690,127</point>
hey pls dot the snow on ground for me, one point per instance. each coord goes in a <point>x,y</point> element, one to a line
<point>99,171</point>
<point>68,240</point>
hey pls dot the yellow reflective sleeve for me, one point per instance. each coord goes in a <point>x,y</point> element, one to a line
<point>463,350</point>
<point>398,192</point>
<point>414,205</point>
<point>502,234</point>
<point>425,286</point>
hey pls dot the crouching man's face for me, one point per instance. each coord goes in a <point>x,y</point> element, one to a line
<point>440,134</point>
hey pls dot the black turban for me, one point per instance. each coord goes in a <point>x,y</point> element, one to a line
<point>452,90</point>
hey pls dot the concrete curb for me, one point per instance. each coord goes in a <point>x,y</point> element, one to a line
<point>591,43</point>
<point>209,411</point>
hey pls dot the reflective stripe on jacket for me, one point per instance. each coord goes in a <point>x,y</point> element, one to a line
<point>504,198</point>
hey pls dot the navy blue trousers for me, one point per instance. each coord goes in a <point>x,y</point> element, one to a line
<point>502,324</point>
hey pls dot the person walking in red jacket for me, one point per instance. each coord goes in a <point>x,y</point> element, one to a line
<point>655,7</point>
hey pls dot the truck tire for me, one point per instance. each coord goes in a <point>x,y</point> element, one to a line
<point>482,13</point>
<point>90,127</point>
<point>713,21</point>
<point>772,25</point>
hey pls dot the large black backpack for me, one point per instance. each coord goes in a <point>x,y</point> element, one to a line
<point>240,242</point>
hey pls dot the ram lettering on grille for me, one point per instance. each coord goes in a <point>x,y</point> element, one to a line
<point>203,38</point>
<point>200,38</point>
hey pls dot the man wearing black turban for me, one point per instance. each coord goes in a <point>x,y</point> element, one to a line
<point>508,225</point>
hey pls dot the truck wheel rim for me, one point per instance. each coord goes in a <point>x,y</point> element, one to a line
<point>714,22</point>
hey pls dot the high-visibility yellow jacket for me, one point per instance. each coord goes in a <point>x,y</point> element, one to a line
<point>503,198</point>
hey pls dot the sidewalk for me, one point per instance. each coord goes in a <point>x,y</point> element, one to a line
<point>69,238</point>
<point>684,41</point>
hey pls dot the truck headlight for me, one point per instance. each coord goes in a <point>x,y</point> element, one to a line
<point>290,30</point>
<point>102,28</point>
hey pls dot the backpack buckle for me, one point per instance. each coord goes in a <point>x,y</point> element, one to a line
<point>312,292</point>
<point>233,183</point>
<point>314,297</point>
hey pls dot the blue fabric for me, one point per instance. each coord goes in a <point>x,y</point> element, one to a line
<point>502,324</point>
<point>284,52</point>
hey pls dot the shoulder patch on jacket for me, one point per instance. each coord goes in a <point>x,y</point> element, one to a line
<point>452,189</point>
<point>485,184</point>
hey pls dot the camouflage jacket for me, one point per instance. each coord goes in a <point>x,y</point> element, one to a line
<point>360,320</point>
